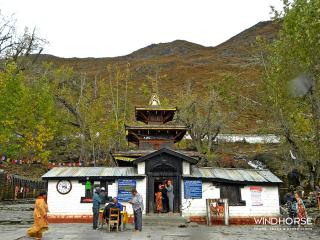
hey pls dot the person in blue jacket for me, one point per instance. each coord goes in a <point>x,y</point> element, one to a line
<point>113,204</point>
<point>116,202</point>
<point>96,200</point>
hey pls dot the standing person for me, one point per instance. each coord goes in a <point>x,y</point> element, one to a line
<point>170,195</point>
<point>137,205</point>
<point>102,195</point>
<point>159,199</point>
<point>164,197</point>
<point>95,207</point>
<point>290,203</point>
<point>301,209</point>
<point>40,217</point>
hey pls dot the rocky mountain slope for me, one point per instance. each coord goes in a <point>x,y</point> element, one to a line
<point>183,62</point>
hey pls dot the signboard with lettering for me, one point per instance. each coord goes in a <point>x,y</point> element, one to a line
<point>192,189</point>
<point>124,189</point>
<point>256,196</point>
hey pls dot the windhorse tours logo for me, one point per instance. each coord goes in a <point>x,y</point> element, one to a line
<point>283,221</point>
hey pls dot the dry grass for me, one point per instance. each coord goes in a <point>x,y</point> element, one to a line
<point>182,61</point>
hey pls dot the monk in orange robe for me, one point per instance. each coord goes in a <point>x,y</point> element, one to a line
<point>40,217</point>
<point>159,200</point>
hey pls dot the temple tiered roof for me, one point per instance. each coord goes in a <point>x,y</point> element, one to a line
<point>155,134</point>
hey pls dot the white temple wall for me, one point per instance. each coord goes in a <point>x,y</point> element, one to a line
<point>69,204</point>
<point>269,202</point>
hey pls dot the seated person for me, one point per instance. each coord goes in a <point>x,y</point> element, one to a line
<point>115,201</point>
<point>113,204</point>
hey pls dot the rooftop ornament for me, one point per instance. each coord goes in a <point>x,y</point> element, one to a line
<point>154,100</point>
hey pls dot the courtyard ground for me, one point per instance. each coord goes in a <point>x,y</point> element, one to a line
<point>16,218</point>
<point>201,232</point>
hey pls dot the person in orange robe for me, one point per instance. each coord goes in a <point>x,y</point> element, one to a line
<point>301,209</point>
<point>159,199</point>
<point>40,217</point>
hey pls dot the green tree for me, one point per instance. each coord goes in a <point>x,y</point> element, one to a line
<point>291,83</point>
<point>27,117</point>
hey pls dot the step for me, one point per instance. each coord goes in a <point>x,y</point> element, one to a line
<point>163,219</point>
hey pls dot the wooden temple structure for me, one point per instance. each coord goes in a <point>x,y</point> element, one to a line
<point>157,133</point>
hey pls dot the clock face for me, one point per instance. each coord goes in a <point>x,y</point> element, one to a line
<point>64,186</point>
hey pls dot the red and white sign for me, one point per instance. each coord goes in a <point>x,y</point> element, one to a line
<point>256,199</point>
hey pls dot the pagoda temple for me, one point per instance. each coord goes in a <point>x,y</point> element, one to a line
<point>250,193</point>
<point>155,134</point>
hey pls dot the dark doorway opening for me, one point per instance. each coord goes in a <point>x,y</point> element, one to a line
<point>153,188</point>
<point>158,186</point>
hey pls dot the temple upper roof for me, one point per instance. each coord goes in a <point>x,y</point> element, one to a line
<point>162,133</point>
<point>154,113</point>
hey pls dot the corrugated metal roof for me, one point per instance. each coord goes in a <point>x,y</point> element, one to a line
<point>221,174</point>
<point>235,175</point>
<point>58,172</point>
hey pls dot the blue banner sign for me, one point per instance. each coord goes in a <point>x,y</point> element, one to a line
<point>124,189</point>
<point>192,189</point>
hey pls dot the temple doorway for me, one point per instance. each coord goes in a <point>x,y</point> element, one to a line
<point>161,194</point>
<point>158,177</point>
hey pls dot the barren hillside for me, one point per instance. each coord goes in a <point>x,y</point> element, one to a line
<point>182,61</point>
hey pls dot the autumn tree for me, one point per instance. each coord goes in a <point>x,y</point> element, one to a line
<point>21,48</point>
<point>92,111</point>
<point>203,116</point>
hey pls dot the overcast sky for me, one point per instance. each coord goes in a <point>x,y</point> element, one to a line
<point>107,28</point>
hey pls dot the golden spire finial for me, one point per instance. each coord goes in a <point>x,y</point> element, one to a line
<point>154,100</point>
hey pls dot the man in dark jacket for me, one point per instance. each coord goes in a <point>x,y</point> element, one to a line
<point>165,202</point>
<point>113,204</point>
<point>96,200</point>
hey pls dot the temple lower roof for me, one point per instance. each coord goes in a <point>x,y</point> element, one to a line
<point>157,127</point>
<point>130,156</point>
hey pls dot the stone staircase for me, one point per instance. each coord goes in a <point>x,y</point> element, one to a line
<point>164,220</point>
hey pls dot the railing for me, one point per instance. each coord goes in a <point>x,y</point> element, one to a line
<point>14,187</point>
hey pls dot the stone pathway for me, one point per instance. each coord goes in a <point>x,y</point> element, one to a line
<point>16,213</point>
<point>17,218</point>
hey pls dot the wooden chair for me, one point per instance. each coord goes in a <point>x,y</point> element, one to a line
<point>114,218</point>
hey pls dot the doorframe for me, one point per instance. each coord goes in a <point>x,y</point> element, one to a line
<point>176,177</point>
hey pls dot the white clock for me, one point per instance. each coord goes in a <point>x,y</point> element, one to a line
<point>64,186</point>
